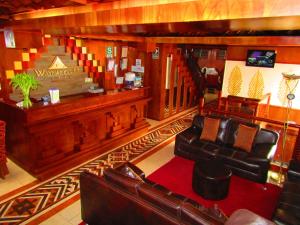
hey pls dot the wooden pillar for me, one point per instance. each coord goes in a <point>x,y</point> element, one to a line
<point>201,105</point>
<point>171,81</point>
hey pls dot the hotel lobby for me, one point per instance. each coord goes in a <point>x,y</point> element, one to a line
<point>155,112</point>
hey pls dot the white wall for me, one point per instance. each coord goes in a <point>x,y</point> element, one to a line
<point>272,78</point>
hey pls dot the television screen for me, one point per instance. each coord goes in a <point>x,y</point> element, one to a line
<point>261,58</point>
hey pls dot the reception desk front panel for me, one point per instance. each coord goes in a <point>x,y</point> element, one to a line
<point>46,140</point>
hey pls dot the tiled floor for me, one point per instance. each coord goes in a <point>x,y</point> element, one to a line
<point>71,215</point>
<point>16,178</point>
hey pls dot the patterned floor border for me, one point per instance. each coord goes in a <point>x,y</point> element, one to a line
<point>42,197</point>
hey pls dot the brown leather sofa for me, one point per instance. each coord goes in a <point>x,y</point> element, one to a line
<point>253,165</point>
<point>288,206</point>
<point>123,196</point>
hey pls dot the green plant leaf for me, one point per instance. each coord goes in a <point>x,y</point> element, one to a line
<point>25,82</point>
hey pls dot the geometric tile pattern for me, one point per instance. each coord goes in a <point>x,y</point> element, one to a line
<point>36,200</point>
<point>84,59</point>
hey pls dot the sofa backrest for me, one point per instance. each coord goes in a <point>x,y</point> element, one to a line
<point>105,203</point>
<point>228,130</point>
<point>198,123</point>
<point>266,136</point>
<point>118,199</point>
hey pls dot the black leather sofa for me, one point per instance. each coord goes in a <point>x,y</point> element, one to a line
<point>253,165</point>
<point>288,206</point>
<point>123,196</point>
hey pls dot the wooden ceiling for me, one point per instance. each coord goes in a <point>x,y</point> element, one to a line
<point>155,18</point>
<point>11,7</point>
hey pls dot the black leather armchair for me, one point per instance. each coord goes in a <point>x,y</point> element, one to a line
<point>288,206</point>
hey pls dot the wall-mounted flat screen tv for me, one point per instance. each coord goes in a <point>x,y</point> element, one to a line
<point>261,58</point>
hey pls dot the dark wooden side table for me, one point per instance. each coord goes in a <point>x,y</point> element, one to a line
<point>211,179</point>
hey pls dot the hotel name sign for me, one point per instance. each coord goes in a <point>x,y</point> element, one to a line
<point>57,70</point>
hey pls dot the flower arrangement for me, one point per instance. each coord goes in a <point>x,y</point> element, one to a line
<point>25,82</point>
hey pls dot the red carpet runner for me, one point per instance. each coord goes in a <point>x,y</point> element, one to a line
<point>176,175</point>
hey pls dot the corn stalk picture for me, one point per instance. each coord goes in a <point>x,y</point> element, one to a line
<point>25,82</point>
<point>256,86</point>
<point>235,81</point>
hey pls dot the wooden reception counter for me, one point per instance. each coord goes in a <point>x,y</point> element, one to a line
<point>47,139</point>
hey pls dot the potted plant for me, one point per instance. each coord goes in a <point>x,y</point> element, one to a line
<point>25,82</point>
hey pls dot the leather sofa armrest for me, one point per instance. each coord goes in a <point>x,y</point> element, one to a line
<point>189,135</point>
<point>246,217</point>
<point>131,170</point>
<point>294,171</point>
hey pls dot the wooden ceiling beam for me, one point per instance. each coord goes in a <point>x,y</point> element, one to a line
<point>233,41</point>
<point>83,2</point>
<point>126,38</point>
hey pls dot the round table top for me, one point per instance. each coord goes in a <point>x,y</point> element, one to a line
<point>212,169</point>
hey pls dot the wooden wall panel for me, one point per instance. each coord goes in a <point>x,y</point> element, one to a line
<point>289,55</point>
<point>24,40</point>
<point>279,113</point>
<point>28,39</point>
<point>98,47</point>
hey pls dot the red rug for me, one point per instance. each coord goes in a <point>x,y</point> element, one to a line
<point>176,175</point>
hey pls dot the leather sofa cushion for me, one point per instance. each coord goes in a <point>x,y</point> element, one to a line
<point>192,215</point>
<point>188,200</point>
<point>160,199</point>
<point>127,183</point>
<point>210,129</point>
<point>245,137</point>
<point>226,152</point>
<point>206,148</point>
<point>197,149</point>
<point>238,159</point>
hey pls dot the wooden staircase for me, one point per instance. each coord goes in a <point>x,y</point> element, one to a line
<point>186,88</point>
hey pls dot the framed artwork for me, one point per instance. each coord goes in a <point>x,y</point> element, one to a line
<point>124,62</point>
<point>110,65</point>
<point>9,38</point>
